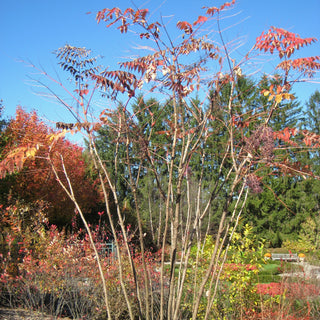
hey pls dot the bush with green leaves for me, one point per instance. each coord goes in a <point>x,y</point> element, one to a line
<point>236,288</point>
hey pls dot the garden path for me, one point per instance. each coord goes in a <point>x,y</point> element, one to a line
<point>309,271</point>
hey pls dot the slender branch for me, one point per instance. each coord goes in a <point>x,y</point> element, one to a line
<point>69,191</point>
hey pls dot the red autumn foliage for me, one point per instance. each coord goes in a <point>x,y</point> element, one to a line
<point>213,10</point>
<point>285,135</point>
<point>138,16</point>
<point>201,19</point>
<point>286,43</point>
<point>35,264</point>
<point>293,290</point>
<point>281,40</point>
<point>185,26</point>
<point>30,137</point>
<point>306,66</point>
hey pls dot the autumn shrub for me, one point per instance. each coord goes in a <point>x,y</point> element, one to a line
<point>301,290</point>
<point>288,300</point>
<point>45,273</point>
<point>55,273</point>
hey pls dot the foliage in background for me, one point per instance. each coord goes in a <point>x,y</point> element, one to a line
<point>36,180</point>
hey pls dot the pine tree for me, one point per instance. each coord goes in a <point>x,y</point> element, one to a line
<point>312,114</point>
<point>276,213</point>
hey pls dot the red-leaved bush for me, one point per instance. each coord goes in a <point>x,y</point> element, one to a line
<point>299,290</point>
<point>55,272</point>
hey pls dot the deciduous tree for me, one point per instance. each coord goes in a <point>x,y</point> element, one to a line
<point>32,179</point>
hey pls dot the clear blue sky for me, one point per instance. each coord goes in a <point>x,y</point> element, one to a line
<point>32,29</point>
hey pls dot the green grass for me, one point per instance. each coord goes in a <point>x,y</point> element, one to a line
<point>269,273</point>
<point>270,268</point>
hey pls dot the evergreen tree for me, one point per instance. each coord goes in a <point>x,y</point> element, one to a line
<point>312,114</point>
<point>277,213</point>
<point>312,123</point>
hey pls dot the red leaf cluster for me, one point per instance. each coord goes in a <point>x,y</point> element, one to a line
<point>285,135</point>
<point>117,81</point>
<point>185,26</point>
<point>82,92</point>
<point>126,18</point>
<point>281,40</point>
<point>141,64</point>
<point>213,10</point>
<point>311,139</point>
<point>306,66</point>
<point>201,19</point>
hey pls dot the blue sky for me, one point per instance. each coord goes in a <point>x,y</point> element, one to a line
<point>32,29</point>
